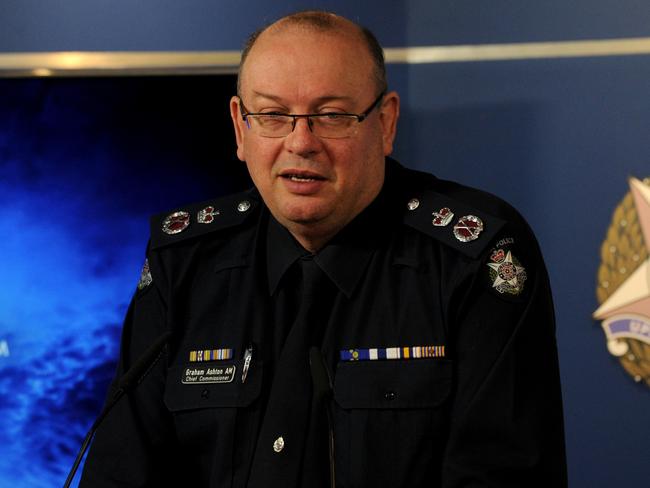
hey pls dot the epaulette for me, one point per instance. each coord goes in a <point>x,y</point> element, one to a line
<point>201,218</point>
<point>455,223</point>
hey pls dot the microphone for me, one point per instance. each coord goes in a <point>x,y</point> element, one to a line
<point>127,383</point>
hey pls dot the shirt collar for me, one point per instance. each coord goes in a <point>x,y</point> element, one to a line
<point>282,250</point>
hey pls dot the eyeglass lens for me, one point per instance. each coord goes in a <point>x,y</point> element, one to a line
<point>329,126</point>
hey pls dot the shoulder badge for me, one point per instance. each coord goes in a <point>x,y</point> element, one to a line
<point>145,276</point>
<point>504,272</point>
<point>507,275</point>
<point>201,218</point>
<point>432,213</point>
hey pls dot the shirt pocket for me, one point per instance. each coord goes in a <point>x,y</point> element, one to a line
<point>208,408</point>
<point>390,421</point>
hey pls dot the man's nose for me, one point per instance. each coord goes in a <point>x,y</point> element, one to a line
<point>302,140</point>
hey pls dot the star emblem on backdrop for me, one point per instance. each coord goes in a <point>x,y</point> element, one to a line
<point>625,309</point>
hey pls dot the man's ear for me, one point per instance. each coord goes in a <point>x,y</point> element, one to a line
<point>239,125</point>
<point>388,115</point>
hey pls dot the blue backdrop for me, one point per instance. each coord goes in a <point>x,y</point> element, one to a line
<point>83,163</point>
<point>558,138</point>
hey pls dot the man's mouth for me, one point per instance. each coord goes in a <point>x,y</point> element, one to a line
<point>301,177</point>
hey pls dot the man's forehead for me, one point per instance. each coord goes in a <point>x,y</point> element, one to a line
<point>290,34</point>
<point>311,55</point>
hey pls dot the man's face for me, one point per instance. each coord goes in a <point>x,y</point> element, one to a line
<point>314,186</point>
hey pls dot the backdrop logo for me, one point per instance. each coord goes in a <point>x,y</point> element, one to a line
<point>624,282</point>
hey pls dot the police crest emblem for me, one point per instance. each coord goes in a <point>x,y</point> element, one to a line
<point>506,272</point>
<point>623,288</point>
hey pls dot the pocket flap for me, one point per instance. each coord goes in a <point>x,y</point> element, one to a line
<point>419,383</point>
<point>211,385</point>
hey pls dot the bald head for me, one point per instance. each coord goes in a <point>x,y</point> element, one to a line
<point>322,22</point>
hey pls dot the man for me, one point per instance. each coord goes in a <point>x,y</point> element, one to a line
<point>348,322</point>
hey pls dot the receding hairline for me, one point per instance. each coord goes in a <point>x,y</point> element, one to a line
<point>315,20</point>
<point>318,21</point>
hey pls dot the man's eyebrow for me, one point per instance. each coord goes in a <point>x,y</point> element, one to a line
<point>266,95</point>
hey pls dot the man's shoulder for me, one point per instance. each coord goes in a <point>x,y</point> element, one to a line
<point>461,217</point>
<point>197,220</point>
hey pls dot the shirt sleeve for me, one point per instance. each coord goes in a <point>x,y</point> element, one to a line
<point>506,422</point>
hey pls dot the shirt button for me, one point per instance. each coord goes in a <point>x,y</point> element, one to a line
<point>390,395</point>
<point>278,445</point>
<point>413,203</point>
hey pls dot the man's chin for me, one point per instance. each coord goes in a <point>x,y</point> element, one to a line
<point>304,220</point>
<point>306,223</point>
<point>304,214</point>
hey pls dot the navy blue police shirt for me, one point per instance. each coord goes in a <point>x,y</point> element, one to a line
<point>432,314</point>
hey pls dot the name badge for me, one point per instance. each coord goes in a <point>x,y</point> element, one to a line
<point>204,375</point>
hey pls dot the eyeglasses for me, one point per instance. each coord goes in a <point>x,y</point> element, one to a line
<point>329,125</point>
